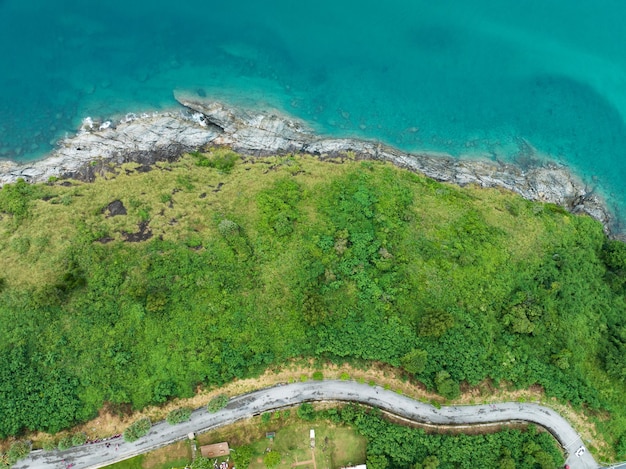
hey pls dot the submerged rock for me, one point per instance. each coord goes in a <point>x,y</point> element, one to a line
<point>147,138</point>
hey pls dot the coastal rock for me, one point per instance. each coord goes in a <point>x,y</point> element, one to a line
<point>252,132</point>
<point>165,136</point>
<point>145,139</point>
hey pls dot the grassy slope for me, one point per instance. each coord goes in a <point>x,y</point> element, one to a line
<point>485,282</point>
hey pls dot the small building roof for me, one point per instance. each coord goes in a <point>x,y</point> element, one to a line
<point>213,451</point>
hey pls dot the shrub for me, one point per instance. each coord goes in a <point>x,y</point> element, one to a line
<point>415,361</point>
<point>223,161</point>
<point>266,417</point>
<point>318,376</point>
<point>378,461</point>
<point>143,425</point>
<point>15,199</point>
<point>202,463</point>
<point>130,435</point>
<point>79,439</point>
<point>138,429</point>
<point>217,403</point>
<point>620,447</point>
<point>162,390</point>
<point>304,378</point>
<point>49,445</point>
<point>345,376</point>
<point>306,412</point>
<point>18,450</point>
<point>271,459</point>
<point>228,228</point>
<point>330,414</point>
<point>182,414</point>
<point>446,386</point>
<point>66,199</point>
<point>242,456</point>
<point>278,207</point>
<point>65,443</point>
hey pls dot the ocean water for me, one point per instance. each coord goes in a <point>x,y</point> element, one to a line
<point>480,78</point>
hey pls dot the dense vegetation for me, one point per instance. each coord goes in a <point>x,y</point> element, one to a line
<point>217,403</point>
<point>137,429</point>
<point>180,415</point>
<point>18,450</point>
<point>221,268</point>
<point>393,446</point>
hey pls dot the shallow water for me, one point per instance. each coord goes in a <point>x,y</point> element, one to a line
<point>482,78</point>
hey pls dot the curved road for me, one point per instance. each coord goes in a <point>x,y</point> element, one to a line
<point>241,407</point>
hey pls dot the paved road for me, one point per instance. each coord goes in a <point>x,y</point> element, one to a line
<point>241,407</point>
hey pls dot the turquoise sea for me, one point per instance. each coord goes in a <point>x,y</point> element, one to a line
<point>481,77</point>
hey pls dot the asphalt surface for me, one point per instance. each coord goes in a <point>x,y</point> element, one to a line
<point>244,406</point>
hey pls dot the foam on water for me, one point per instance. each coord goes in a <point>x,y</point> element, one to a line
<point>479,78</point>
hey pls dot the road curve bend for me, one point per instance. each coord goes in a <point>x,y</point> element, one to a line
<point>244,406</point>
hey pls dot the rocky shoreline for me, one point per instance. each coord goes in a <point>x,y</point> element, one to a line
<point>202,123</point>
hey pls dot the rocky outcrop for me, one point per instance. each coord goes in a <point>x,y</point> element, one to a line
<point>115,209</point>
<point>165,136</point>
<point>144,139</point>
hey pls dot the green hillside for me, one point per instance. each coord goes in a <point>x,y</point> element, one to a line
<point>223,266</point>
